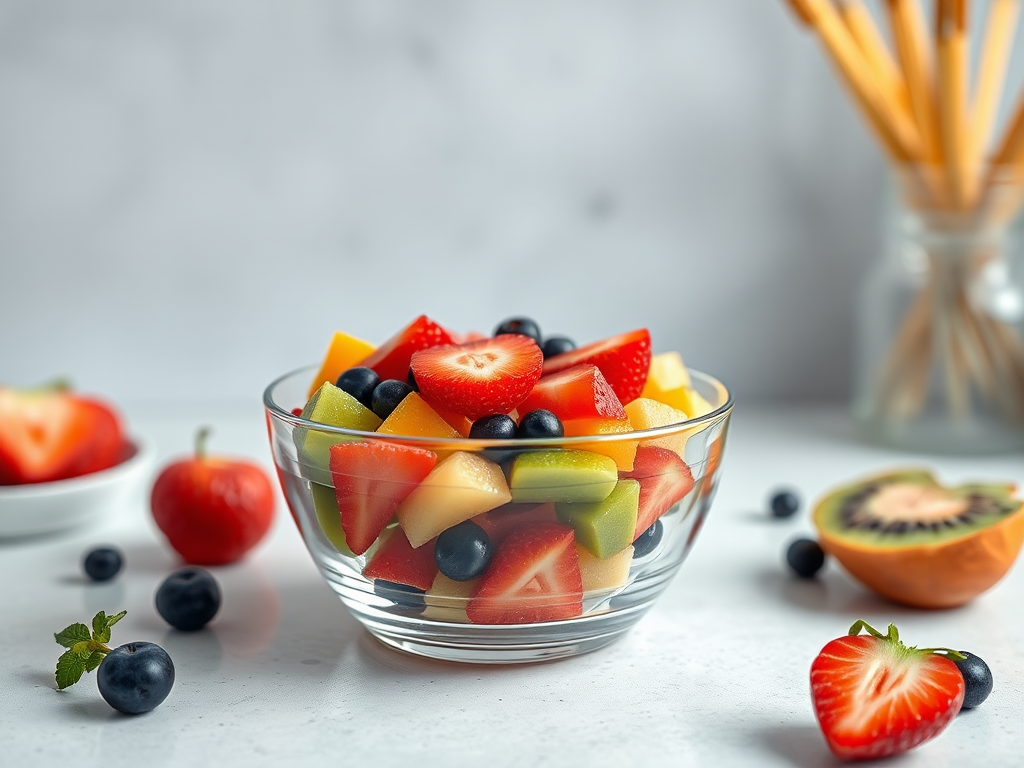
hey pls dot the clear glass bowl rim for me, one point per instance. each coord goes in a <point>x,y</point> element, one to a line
<point>473,444</point>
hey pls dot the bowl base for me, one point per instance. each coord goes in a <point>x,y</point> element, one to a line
<point>515,644</point>
<point>524,654</point>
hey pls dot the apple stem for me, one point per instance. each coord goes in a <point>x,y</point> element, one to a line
<point>201,436</point>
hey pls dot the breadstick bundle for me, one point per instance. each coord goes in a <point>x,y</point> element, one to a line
<point>961,179</point>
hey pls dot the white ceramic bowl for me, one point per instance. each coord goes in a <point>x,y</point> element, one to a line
<point>40,508</point>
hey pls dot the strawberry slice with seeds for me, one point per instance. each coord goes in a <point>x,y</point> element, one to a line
<point>370,480</point>
<point>624,360</point>
<point>580,392</point>
<point>534,576</point>
<point>875,697</point>
<point>391,359</point>
<point>479,378</point>
<point>664,480</point>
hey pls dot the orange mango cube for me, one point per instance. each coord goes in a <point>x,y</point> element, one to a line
<point>344,352</point>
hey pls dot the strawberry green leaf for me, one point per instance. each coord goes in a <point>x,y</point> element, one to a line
<point>75,633</point>
<point>70,668</point>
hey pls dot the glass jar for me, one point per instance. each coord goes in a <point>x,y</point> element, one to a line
<point>940,363</point>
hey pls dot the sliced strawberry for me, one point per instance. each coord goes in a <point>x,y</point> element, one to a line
<point>664,481</point>
<point>370,480</point>
<point>479,378</point>
<point>391,359</point>
<point>580,392</point>
<point>624,360</point>
<point>395,560</point>
<point>875,697</point>
<point>534,576</point>
<point>50,434</point>
<point>500,522</point>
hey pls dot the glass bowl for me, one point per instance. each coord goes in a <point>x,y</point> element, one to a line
<point>534,620</point>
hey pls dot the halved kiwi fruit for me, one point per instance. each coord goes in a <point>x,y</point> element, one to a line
<point>916,542</point>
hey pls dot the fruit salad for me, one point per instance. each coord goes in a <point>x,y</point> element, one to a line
<point>504,479</point>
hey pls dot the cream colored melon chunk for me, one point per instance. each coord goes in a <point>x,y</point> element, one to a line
<point>446,599</point>
<point>667,372</point>
<point>462,486</point>
<point>609,573</point>
<point>645,413</point>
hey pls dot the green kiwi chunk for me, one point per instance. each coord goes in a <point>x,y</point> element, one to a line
<point>605,527</point>
<point>325,504</point>
<point>335,408</point>
<point>562,476</point>
<point>912,508</point>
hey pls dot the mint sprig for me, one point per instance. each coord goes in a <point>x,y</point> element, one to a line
<point>85,648</point>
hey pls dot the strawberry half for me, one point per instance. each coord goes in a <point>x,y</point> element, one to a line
<point>875,697</point>
<point>624,360</point>
<point>51,434</point>
<point>370,480</point>
<point>396,561</point>
<point>664,480</point>
<point>479,378</point>
<point>534,576</point>
<point>391,359</point>
<point>580,392</point>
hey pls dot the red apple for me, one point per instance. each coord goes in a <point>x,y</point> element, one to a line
<point>212,509</point>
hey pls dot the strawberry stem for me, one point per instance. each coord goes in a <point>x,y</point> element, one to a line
<point>893,635</point>
<point>201,436</point>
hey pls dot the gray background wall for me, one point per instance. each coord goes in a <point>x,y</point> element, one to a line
<point>194,194</point>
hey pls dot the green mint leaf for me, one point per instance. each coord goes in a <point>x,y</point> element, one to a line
<point>70,668</point>
<point>76,633</point>
<point>83,649</point>
<point>99,625</point>
<point>94,660</point>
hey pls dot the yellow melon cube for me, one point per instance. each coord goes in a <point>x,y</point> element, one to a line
<point>460,487</point>
<point>344,352</point>
<point>623,452</point>
<point>446,599</point>
<point>667,372</point>
<point>414,418</point>
<point>609,573</point>
<point>645,413</point>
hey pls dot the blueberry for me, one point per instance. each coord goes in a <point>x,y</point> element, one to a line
<point>102,563</point>
<point>648,540</point>
<point>400,594</point>
<point>784,504</point>
<point>388,395</point>
<point>539,423</point>
<point>188,599</point>
<point>556,345</point>
<point>135,677</point>
<point>463,551</point>
<point>524,326</point>
<point>497,427</point>
<point>805,557</point>
<point>977,679</point>
<point>360,383</point>
<point>411,378</point>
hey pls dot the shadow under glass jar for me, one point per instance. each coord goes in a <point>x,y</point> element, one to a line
<point>941,332</point>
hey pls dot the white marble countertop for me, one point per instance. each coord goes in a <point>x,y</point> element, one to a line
<point>716,674</point>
